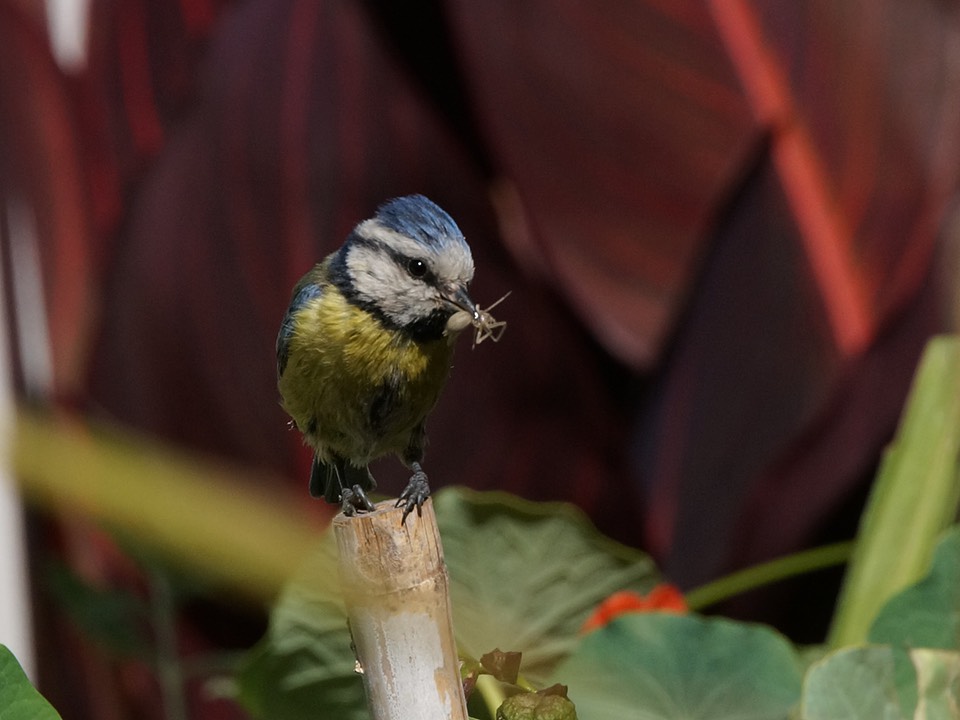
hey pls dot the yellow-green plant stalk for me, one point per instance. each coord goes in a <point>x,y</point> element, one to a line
<point>205,516</point>
<point>913,500</point>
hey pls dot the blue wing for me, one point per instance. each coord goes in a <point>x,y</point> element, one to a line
<point>304,292</point>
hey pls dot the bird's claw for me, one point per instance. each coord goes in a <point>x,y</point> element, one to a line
<point>354,500</point>
<point>414,495</point>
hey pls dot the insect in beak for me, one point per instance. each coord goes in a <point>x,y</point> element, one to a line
<point>485,325</point>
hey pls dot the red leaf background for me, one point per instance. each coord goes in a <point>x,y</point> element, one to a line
<point>724,224</point>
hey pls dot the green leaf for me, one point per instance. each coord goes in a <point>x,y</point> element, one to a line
<point>870,683</point>
<point>914,498</point>
<point>18,698</point>
<point>938,684</point>
<point>928,613</point>
<point>526,575</point>
<point>661,666</point>
<point>853,684</point>
<point>304,668</point>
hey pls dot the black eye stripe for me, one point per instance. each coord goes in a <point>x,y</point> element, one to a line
<point>404,261</point>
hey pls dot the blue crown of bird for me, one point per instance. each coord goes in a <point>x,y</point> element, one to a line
<point>365,347</point>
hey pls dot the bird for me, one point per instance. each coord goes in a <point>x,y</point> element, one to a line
<point>366,345</point>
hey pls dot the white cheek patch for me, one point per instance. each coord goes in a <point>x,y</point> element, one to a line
<point>380,281</point>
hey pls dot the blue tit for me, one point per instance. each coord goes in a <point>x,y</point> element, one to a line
<point>364,349</point>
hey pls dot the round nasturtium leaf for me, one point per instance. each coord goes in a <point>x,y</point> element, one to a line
<point>926,614</point>
<point>664,666</point>
<point>525,576</point>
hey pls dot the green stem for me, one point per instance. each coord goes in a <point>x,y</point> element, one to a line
<point>169,675</point>
<point>913,500</point>
<point>767,573</point>
<point>522,682</point>
<point>491,691</point>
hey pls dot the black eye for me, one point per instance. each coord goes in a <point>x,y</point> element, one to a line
<point>416,267</point>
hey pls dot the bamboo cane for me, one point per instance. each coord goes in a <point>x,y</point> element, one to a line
<point>396,592</point>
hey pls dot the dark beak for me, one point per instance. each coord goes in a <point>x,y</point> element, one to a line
<point>458,297</point>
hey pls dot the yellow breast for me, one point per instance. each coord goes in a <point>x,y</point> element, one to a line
<point>354,387</point>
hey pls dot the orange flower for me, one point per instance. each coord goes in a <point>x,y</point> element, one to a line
<point>663,598</point>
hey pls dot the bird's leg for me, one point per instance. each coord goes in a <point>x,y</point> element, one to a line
<point>354,500</point>
<point>415,494</point>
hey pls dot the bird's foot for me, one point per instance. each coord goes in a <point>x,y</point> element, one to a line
<point>415,494</point>
<point>354,500</point>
